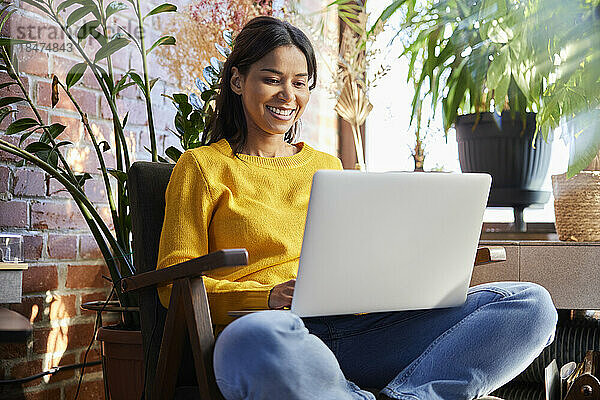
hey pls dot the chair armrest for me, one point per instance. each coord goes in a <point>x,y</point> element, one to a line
<point>491,254</point>
<point>187,269</point>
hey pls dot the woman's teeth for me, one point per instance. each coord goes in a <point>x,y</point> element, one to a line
<point>280,111</point>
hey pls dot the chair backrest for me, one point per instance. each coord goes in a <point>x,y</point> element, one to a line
<point>147,183</point>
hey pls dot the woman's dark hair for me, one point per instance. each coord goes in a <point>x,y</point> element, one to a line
<point>259,37</point>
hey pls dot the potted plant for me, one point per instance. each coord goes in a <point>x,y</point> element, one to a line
<point>464,54</point>
<point>505,56</point>
<point>43,146</point>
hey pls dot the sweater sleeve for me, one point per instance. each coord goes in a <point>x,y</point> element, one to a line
<point>188,208</point>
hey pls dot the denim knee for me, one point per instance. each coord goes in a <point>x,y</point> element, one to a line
<point>253,347</point>
<point>256,338</point>
<point>541,316</point>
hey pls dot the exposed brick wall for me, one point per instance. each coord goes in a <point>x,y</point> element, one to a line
<point>65,264</point>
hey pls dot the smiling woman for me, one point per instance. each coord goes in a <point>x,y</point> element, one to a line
<point>265,88</point>
<point>248,187</point>
<point>274,94</point>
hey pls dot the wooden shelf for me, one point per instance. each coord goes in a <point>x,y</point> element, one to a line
<point>13,266</point>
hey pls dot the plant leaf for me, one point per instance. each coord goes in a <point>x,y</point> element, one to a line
<point>68,3</point>
<point>75,74</point>
<point>224,51</point>
<point>138,80</point>
<point>125,120</point>
<point>4,101</point>
<point>87,29</point>
<point>5,112</point>
<point>36,4</point>
<point>55,129</point>
<point>115,7</point>
<point>163,41</point>
<point>20,125</point>
<point>54,91</point>
<point>37,146</point>
<point>173,153</point>
<point>153,82</point>
<point>120,175</point>
<point>165,7</point>
<point>78,14</point>
<point>6,17</point>
<point>81,178</point>
<point>104,146</point>
<point>110,48</point>
<point>10,42</point>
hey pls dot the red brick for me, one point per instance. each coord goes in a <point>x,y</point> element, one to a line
<point>56,190</point>
<point>40,278</point>
<point>61,66</point>
<point>51,340</point>
<point>27,368</point>
<point>81,335</point>
<point>62,215</point>
<point>86,99</point>
<point>4,175</point>
<point>62,247</point>
<point>66,359</point>
<point>5,156</point>
<point>43,394</point>
<point>88,248</point>
<point>13,90</point>
<point>29,182</point>
<point>123,59</point>
<point>74,128</point>
<point>6,122</point>
<point>89,80</point>
<point>85,276</point>
<point>95,296</point>
<point>62,338</point>
<point>31,307</point>
<point>33,62</point>
<point>83,158</point>
<point>38,30</point>
<point>136,109</point>
<point>62,307</point>
<point>44,94</point>
<point>13,214</point>
<point>93,355</point>
<point>10,351</point>
<point>90,390</point>
<point>106,216</point>
<point>32,247</point>
<point>24,111</point>
<point>164,116</point>
<point>96,190</point>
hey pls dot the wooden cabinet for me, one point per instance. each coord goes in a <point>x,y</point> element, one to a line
<point>569,270</point>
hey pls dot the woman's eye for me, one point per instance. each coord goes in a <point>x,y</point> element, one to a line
<point>300,84</point>
<point>271,81</point>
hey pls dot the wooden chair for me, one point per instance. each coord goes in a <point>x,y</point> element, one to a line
<point>165,333</point>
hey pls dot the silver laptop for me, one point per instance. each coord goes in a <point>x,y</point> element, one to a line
<point>388,241</point>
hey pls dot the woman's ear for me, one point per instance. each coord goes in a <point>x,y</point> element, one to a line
<point>236,81</point>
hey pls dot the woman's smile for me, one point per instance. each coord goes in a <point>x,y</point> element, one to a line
<point>274,91</point>
<point>284,114</point>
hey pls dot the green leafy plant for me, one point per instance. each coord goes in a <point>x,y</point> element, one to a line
<point>524,55</point>
<point>45,147</point>
<point>194,113</point>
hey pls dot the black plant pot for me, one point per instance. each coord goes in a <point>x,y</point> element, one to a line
<point>498,145</point>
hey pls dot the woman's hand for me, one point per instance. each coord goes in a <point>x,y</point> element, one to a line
<point>281,295</point>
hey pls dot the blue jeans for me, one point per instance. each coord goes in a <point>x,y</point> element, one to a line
<point>453,353</point>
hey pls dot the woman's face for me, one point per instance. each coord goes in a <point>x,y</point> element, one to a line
<point>274,91</point>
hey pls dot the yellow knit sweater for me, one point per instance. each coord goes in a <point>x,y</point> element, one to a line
<point>216,201</point>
